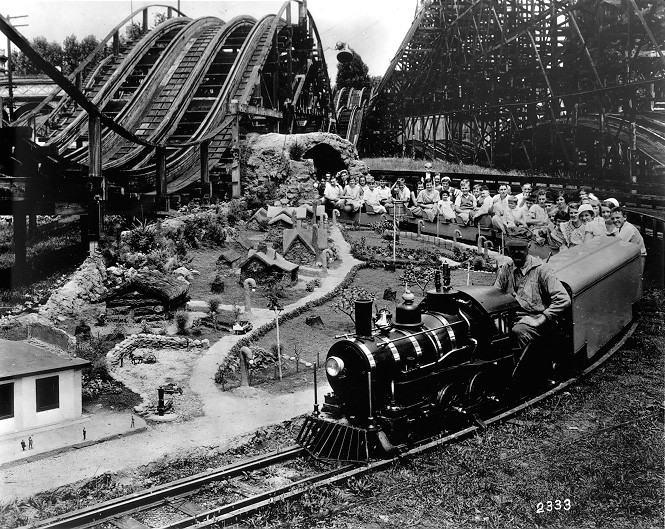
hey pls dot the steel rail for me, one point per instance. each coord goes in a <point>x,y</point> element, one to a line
<point>156,495</point>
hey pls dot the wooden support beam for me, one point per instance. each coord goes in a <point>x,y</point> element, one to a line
<point>97,194</point>
<point>161,198</point>
<point>206,187</point>
<point>234,108</point>
<point>20,239</point>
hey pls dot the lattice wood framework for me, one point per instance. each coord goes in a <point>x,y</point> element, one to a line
<point>576,88</point>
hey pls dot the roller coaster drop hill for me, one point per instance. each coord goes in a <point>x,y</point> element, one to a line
<point>167,109</point>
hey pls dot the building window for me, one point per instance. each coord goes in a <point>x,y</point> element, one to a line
<point>48,393</point>
<point>6,401</point>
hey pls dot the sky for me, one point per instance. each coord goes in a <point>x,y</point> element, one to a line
<point>373,28</point>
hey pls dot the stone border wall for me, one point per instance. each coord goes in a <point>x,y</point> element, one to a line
<point>136,341</point>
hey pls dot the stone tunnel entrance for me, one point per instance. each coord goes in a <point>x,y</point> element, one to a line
<point>326,159</point>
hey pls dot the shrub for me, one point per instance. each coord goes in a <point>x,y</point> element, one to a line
<point>296,151</point>
<point>196,328</point>
<point>181,321</point>
<point>311,285</point>
<point>145,328</point>
<point>237,211</point>
<point>117,333</point>
<point>217,285</point>
<point>213,304</point>
<point>143,237</point>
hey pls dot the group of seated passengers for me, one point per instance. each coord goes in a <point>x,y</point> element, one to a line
<point>535,215</point>
<point>562,224</point>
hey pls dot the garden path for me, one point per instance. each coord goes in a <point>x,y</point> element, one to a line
<point>227,417</point>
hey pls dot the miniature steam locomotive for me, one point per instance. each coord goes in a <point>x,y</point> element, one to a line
<point>450,357</point>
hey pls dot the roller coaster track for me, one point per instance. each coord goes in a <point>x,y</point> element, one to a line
<point>123,73</point>
<point>351,106</point>
<point>149,106</point>
<point>244,76</point>
<point>183,84</point>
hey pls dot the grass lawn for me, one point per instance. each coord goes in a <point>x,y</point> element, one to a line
<point>438,166</point>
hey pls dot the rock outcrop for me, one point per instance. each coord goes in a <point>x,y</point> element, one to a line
<point>85,286</point>
<point>293,161</point>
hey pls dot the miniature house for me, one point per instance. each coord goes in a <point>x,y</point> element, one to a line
<point>299,245</point>
<point>37,387</point>
<point>258,221</point>
<point>147,295</point>
<point>262,265</point>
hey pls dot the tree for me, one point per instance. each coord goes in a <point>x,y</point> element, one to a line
<point>159,18</point>
<point>51,51</point>
<point>346,301</point>
<point>418,275</point>
<point>133,31</point>
<point>353,74</point>
<point>66,56</point>
<point>71,54</point>
<point>87,46</point>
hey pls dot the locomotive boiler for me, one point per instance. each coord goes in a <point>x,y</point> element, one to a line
<point>448,360</point>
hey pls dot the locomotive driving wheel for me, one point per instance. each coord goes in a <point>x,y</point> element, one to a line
<point>450,396</point>
<point>479,386</point>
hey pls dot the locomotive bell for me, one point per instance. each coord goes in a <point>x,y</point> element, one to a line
<point>344,53</point>
<point>385,319</point>
<point>408,314</point>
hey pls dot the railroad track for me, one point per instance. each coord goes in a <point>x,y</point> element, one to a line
<point>237,491</point>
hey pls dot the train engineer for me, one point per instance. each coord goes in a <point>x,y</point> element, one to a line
<point>542,298</point>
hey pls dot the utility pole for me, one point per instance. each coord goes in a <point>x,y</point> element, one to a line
<point>10,84</point>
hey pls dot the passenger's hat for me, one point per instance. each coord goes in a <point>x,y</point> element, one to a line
<point>585,207</point>
<point>613,201</point>
<point>445,179</point>
<point>517,243</point>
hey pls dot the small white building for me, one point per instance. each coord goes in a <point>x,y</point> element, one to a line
<point>37,387</point>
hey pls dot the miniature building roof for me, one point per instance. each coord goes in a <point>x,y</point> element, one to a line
<point>301,212</point>
<point>261,216</point>
<point>229,255</point>
<point>289,237</point>
<point>20,359</point>
<point>284,216</point>
<point>273,211</point>
<point>244,242</point>
<point>272,259</point>
<point>155,284</point>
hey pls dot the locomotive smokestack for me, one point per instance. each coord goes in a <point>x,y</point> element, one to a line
<point>364,318</point>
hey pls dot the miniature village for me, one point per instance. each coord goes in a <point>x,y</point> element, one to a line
<point>159,294</point>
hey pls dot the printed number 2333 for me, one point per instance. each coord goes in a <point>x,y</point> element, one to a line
<point>550,506</point>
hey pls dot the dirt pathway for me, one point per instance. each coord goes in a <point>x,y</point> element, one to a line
<point>227,416</point>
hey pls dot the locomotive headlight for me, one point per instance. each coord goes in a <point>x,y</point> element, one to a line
<point>334,366</point>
